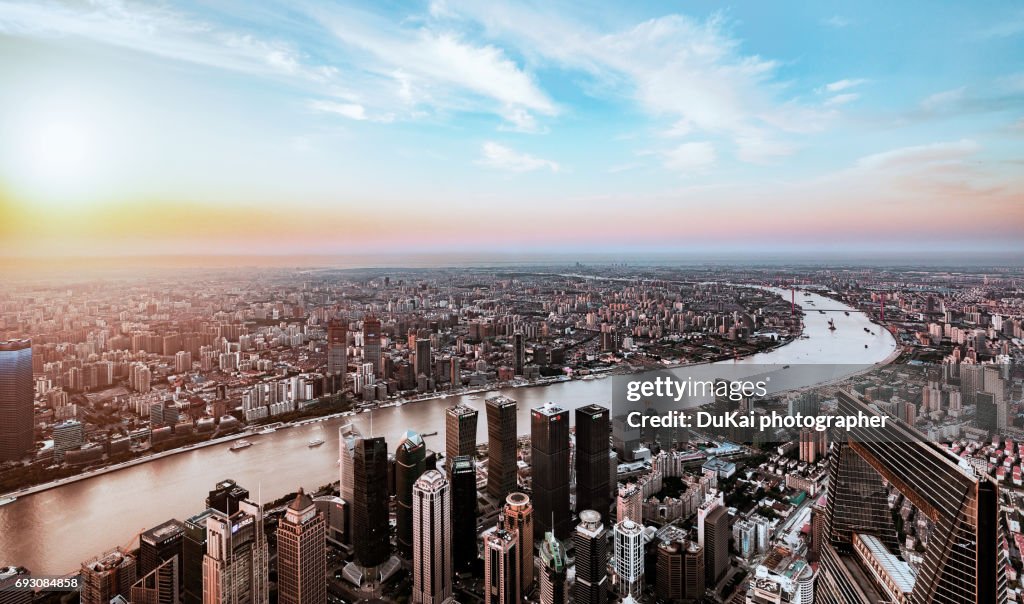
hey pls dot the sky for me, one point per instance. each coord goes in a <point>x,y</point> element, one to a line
<point>236,127</point>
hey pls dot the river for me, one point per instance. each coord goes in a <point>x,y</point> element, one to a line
<point>53,531</point>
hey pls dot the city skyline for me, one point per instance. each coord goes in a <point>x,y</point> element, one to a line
<point>440,128</point>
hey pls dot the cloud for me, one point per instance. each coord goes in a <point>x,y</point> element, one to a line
<point>690,157</point>
<point>921,155</point>
<point>944,100</point>
<point>841,99</point>
<point>837,21</point>
<point>498,156</point>
<point>1006,28</point>
<point>844,84</point>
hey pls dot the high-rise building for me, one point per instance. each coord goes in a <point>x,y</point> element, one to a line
<point>593,449</point>
<point>106,576</point>
<point>549,437</point>
<point>554,585</point>
<point>235,566</point>
<point>16,434</point>
<point>680,575</point>
<point>501,567</point>
<point>422,365</point>
<point>370,501</point>
<point>459,432</point>
<point>463,487</point>
<point>432,539</point>
<point>716,545</point>
<point>501,447</point>
<point>963,561</point>
<point>160,544</point>
<point>629,557</point>
<point>337,348</point>
<point>518,352</point>
<point>591,543</point>
<point>193,552</point>
<point>372,352</point>
<point>226,496</point>
<point>302,553</point>
<point>410,463</point>
<point>67,436</point>
<point>518,513</point>
<point>158,586</point>
<point>9,578</point>
<point>629,504</point>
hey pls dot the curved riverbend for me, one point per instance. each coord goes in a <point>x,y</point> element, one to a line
<point>53,531</point>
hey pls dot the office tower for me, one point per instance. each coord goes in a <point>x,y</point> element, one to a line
<point>422,365</point>
<point>518,514</point>
<point>518,353</point>
<point>629,557</point>
<point>629,503</point>
<point>549,430</point>
<point>160,544</point>
<point>235,566</point>
<point>67,436</point>
<point>680,570</point>
<point>9,578</point>
<point>16,436</point>
<point>337,349</point>
<point>716,545</point>
<point>193,550</point>
<point>501,447</point>
<point>987,413</point>
<point>370,501</point>
<point>463,485</point>
<point>226,496</point>
<point>501,567</point>
<point>372,344</point>
<point>158,586</point>
<point>410,463</point>
<point>963,561</point>
<point>554,586</point>
<point>593,449</point>
<point>106,576</point>
<point>302,553</point>
<point>459,432</point>
<point>591,543</point>
<point>432,539</point>
<point>348,435</point>
<point>817,533</point>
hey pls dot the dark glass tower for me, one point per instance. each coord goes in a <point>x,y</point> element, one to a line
<point>501,447</point>
<point>459,432</point>
<point>158,545</point>
<point>591,542</point>
<point>226,496</point>
<point>193,549</point>
<point>593,449</point>
<point>16,436</point>
<point>370,501</point>
<point>963,562</point>
<point>549,437</point>
<point>410,463</point>
<point>463,480</point>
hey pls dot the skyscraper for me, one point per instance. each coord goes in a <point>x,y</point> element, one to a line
<point>302,553</point>
<point>629,557</point>
<point>591,543</point>
<point>501,567</point>
<point>554,586</point>
<point>963,561</point>
<point>226,496</point>
<point>518,353</point>
<point>193,552</point>
<point>629,503</point>
<point>716,545</point>
<point>158,586</point>
<point>370,501</point>
<point>16,435</point>
<point>463,486</point>
<point>337,348</point>
<point>410,463</point>
<point>459,432</point>
<point>501,447</point>
<point>423,365</point>
<point>549,429</point>
<point>593,448</point>
<point>518,514</point>
<point>432,539</point>
<point>160,544</point>
<point>372,343</point>
<point>236,563</point>
<point>680,570</point>
<point>108,575</point>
